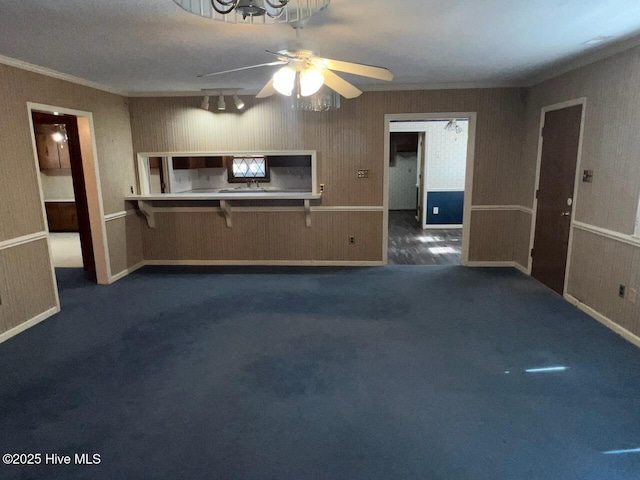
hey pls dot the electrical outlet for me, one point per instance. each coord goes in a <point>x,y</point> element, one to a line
<point>352,240</point>
<point>322,188</point>
<point>363,173</point>
<point>622,291</point>
<point>436,210</point>
<point>633,295</point>
<point>131,188</point>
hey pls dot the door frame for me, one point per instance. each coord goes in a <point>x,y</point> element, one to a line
<point>576,181</point>
<point>468,180</point>
<point>92,186</point>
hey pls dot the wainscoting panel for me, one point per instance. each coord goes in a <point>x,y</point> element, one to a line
<point>492,235</point>
<point>124,235</point>
<point>521,237</point>
<point>264,236</point>
<point>599,265</point>
<point>26,286</point>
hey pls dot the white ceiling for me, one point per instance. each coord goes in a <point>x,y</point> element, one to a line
<point>154,46</point>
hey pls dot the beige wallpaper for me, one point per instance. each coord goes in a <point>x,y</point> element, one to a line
<point>611,140</point>
<point>26,284</point>
<point>347,139</point>
<point>611,149</point>
<point>20,207</point>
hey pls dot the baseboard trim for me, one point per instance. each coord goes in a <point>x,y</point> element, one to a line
<point>474,263</point>
<point>275,263</point>
<point>124,273</point>
<point>510,264</point>
<point>607,322</point>
<point>28,324</point>
<point>442,227</point>
<point>524,270</point>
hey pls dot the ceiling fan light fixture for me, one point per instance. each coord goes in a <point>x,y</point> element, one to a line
<point>311,80</point>
<point>284,81</point>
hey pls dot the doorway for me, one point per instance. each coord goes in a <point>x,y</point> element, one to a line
<point>64,191</point>
<point>558,162</point>
<point>427,166</point>
<point>64,145</point>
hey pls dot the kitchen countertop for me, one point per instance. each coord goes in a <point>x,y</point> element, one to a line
<point>227,194</point>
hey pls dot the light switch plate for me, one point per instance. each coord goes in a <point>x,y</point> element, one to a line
<point>587,176</point>
<point>436,210</point>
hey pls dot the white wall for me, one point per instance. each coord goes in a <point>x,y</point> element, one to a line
<point>446,160</point>
<point>57,187</point>
<point>403,178</point>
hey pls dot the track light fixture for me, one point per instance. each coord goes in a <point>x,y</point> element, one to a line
<point>221,104</point>
<point>205,103</point>
<point>239,103</point>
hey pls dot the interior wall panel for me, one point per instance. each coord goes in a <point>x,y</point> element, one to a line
<point>492,233</point>
<point>264,236</point>
<point>20,208</point>
<point>124,236</point>
<point>522,238</point>
<point>347,139</point>
<point>26,286</point>
<point>20,205</point>
<point>599,265</point>
<point>611,145</point>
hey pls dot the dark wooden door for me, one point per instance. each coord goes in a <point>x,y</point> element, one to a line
<point>77,173</point>
<point>561,138</point>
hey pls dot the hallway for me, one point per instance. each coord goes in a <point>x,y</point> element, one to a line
<point>411,245</point>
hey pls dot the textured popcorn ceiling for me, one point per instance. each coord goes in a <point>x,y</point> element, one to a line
<point>154,46</point>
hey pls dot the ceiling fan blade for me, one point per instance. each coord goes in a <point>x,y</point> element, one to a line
<point>282,55</point>
<point>340,85</point>
<point>267,91</point>
<point>270,64</point>
<point>361,69</point>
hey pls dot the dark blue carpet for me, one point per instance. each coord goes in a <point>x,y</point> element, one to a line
<point>262,373</point>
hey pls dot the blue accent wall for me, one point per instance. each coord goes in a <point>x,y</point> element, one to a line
<point>451,205</point>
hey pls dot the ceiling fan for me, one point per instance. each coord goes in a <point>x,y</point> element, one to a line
<point>304,72</point>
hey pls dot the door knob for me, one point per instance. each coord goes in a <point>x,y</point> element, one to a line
<point>566,214</point>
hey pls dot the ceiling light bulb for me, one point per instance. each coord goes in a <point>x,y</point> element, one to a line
<point>284,80</point>
<point>205,103</point>
<point>239,102</point>
<point>221,104</point>
<point>57,137</point>
<point>311,80</point>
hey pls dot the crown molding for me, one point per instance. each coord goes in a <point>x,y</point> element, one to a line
<point>569,64</point>
<point>371,88</point>
<point>440,86</point>
<point>30,67</point>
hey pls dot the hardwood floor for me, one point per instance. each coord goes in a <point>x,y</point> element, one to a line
<point>411,245</point>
